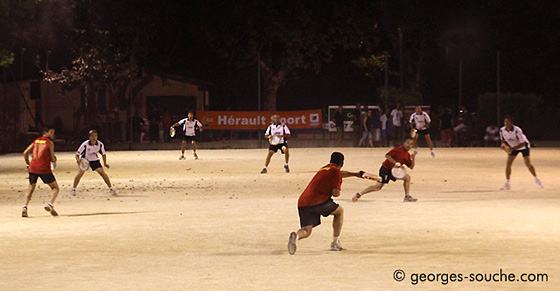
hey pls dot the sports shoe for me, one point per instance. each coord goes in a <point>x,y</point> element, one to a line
<point>539,183</point>
<point>505,187</point>
<point>336,246</point>
<point>263,171</point>
<point>292,243</point>
<point>408,198</point>
<point>356,197</point>
<point>195,156</point>
<point>24,211</point>
<point>112,191</point>
<point>287,168</point>
<point>433,154</point>
<point>182,157</point>
<point>50,208</point>
<point>415,152</point>
<point>73,192</point>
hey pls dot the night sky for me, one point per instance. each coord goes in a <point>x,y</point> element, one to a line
<point>437,35</point>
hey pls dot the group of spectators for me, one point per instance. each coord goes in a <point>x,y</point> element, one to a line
<point>373,127</point>
<point>377,127</point>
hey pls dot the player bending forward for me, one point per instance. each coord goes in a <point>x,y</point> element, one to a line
<point>279,132</point>
<point>42,150</point>
<point>513,143</point>
<point>420,122</point>
<point>88,150</point>
<point>190,127</point>
<point>316,200</point>
<point>397,157</point>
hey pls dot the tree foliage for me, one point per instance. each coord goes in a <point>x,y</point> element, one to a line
<point>284,36</point>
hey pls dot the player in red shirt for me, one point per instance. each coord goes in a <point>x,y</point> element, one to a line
<point>397,157</point>
<point>316,200</point>
<point>42,150</point>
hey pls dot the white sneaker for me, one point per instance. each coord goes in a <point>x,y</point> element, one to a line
<point>539,183</point>
<point>415,152</point>
<point>505,187</point>
<point>433,154</point>
<point>336,246</point>
<point>112,191</point>
<point>182,157</point>
<point>292,243</point>
<point>73,192</point>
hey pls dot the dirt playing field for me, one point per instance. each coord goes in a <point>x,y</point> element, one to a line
<point>217,224</point>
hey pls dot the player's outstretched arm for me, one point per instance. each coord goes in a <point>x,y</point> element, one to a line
<point>346,174</point>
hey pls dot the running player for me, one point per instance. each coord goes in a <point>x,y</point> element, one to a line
<point>397,157</point>
<point>42,150</point>
<point>420,122</point>
<point>513,143</point>
<point>190,127</point>
<point>316,200</point>
<point>281,131</point>
<point>88,150</point>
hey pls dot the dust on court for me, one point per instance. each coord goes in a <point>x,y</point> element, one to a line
<point>216,223</point>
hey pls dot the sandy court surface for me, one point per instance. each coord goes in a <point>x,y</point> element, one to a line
<point>217,224</point>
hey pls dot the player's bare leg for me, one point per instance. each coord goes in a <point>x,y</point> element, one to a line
<point>28,195</point>
<point>531,168</point>
<point>369,189</point>
<point>430,144</point>
<point>105,177</point>
<point>183,146</point>
<point>287,159</point>
<point>194,150</point>
<point>509,162</point>
<point>76,182</point>
<point>406,185</point>
<point>54,193</point>
<point>302,233</point>
<point>267,161</point>
<point>415,144</point>
<point>337,228</point>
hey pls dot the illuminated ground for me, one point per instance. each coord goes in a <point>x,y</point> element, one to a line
<point>216,223</point>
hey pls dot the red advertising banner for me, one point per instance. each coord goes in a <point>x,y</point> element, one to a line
<point>255,120</point>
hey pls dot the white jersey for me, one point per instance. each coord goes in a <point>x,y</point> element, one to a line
<point>514,137</point>
<point>397,116</point>
<point>89,152</point>
<point>190,126</point>
<point>420,120</point>
<point>279,129</point>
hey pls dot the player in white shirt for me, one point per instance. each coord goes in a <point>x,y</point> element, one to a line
<point>88,150</point>
<point>420,122</point>
<point>190,128</point>
<point>282,132</point>
<point>513,143</point>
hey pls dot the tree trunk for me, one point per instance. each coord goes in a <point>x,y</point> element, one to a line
<point>271,83</point>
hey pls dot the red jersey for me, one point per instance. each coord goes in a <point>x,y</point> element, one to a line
<point>320,188</point>
<point>41,156</point>
<point>400,155</point>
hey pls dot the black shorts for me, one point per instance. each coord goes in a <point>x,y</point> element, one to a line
<point>422,131</point>
<point>94,165</point>
<point>47,178</point>
<point>386,175</point>
<point>189,138</point>
<point>311,215</point>
<point>525,152</point>
<point>277,147</point>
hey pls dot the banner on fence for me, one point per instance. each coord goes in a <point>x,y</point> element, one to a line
<point>255,120</point>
